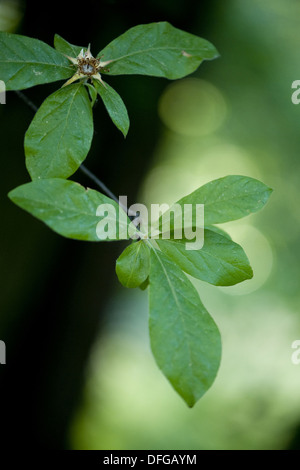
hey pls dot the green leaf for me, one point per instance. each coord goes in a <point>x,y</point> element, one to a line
<point>68,208</point>
<point>218,230</point>
<point>25,62</point>
<point>65,47</point>
<point>220,262</point>
<point>60,135</point>
<point>191,228</point>
<point>114,105</point>
<point>184,338</point>
<point>157,49</point>
<point>133,265</point>
<point>228,198</point>
<point>145,284</point>
<point>92,92</point>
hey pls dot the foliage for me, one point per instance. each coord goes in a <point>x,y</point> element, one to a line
<point>184,338</point>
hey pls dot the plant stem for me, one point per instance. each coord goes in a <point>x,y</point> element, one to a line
<point>82,167</point>
<point>26,100</point>
<point>99,183</point>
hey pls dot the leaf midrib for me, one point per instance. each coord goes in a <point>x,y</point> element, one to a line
<point>52,205</point>
<point>223,261</point>
<point>133,264</point>
<point>65,124</point>
<point>178,305</point>
<point>70,102</point>
<point>142,51</point>
<point>217,201</point>
<point>35,63</point>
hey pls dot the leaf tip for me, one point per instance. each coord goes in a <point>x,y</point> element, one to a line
<point>268,193</point>
<point>124,132</point>
<point>10,195</point>
<point>250,273</point>
<point>191,404</point>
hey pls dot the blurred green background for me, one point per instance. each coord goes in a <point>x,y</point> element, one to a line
<point>79,371</point>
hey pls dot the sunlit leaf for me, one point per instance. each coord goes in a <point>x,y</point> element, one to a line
<point>215,228</point>
<point>220,261</point>
<point>228,198</point>
<point>184,338</point>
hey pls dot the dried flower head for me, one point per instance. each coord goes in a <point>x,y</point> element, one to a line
<point>87,66</point>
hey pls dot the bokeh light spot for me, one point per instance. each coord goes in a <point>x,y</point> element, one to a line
<point>192,107</point>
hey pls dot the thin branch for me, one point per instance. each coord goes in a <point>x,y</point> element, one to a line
<point>82,167</point>
<point>26,100</point>
<point>98,182</point>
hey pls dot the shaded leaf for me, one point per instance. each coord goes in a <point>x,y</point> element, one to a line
<point>66,207</point>
<point>157,49</point>
<point>114,105</point>
<point>133,265</point>
<point>65,47</point>
<point>92,92</point>
<point>60,134</point>
<point>145,284</point>
<point>25,62</point>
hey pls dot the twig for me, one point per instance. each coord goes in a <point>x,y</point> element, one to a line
<point>26,100</point>
<point>99,183</point>
<point>82,167</point>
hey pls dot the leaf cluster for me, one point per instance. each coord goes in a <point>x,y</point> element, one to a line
<point>184,338</point>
